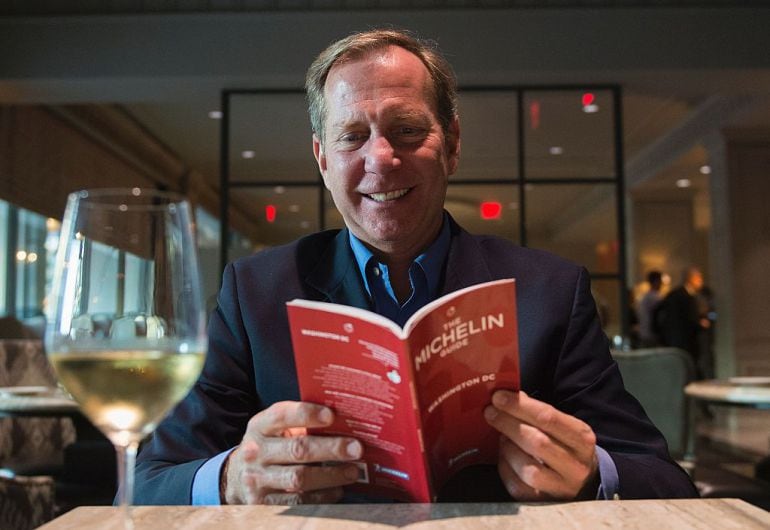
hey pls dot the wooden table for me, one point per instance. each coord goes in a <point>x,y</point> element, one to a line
<point>722,514</point>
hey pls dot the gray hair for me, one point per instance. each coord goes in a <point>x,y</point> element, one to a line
<point>358,45</point>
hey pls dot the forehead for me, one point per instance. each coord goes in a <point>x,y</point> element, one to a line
<point>381,74</point>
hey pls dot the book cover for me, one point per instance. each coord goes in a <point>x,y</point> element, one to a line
<point>413,396</point>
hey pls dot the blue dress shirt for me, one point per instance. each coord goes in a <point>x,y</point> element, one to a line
<point>424,275</point>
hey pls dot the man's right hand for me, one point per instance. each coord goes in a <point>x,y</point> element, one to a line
<point>277,462</point>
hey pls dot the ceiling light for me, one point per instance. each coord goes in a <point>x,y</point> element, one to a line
<point>683,183</point>
<point>590,109</point>
<point>294,208</point>
<point>248,154</point>
<point>705,170</point>
<point>556,150</point>
<point>215,114</point>
<point>279,190</point>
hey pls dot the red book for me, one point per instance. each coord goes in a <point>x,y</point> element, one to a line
<point>414,396</point>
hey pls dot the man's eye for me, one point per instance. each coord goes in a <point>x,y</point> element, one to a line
<point>351,138</point>
<point>409,133</point>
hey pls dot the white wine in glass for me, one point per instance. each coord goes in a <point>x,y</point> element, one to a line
<point>126,323</point>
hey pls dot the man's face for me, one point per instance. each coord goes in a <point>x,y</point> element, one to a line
<point>384,156</point>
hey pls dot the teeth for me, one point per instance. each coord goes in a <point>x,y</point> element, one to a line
<point>389,196</point>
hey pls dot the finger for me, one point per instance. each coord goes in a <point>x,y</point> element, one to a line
<point>309,449</point>
<point>248,451</point>
<point>279,417</point>
<point>326,496</point>
<point>532,472</point>
<point>306,478</point>
<point>537,444</point>
<point>569,430</point>
<point>517,489</point>
<point>251,488</point>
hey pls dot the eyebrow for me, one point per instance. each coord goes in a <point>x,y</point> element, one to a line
<point>397,116</point>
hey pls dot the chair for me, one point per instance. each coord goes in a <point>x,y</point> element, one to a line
<point>30,446</point>
<point>657,377</point>
<point>82,470</point>
<point>25,502</point>
<point>31,449</point>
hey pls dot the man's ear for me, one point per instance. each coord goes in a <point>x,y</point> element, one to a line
<point>320,156</point>
<point>453,145</point>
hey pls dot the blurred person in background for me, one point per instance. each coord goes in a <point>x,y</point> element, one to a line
<point>648,338</point>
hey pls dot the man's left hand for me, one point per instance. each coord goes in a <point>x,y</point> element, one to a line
<point>545,454</point>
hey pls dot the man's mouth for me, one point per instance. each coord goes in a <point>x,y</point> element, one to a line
<point>388,196</point>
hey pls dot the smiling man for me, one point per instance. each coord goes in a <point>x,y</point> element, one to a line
<point>386,136</point>
<point>385,156</point>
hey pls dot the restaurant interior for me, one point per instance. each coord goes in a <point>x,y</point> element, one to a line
<point>626,136</point>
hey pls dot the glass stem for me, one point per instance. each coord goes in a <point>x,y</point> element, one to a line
<point>126,463</point>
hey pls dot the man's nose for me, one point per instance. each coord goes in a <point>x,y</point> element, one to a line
<point>381,156</point>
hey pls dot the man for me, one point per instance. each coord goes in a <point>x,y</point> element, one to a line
<point>386,136</point>
<point>647,306</point>
<point>679,319</point>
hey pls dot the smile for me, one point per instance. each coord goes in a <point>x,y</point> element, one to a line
<point>388,196</point>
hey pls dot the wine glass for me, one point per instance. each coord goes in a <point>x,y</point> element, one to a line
<point>126,323</point>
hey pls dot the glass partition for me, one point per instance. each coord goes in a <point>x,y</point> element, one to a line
<point>540,166</point>
<point>489,132</point>
<point>578,222</point>
<point>570,134</point>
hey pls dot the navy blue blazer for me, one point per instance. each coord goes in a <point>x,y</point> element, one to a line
<point>564,359</point>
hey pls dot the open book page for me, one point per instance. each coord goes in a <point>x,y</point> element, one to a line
<point>462,351</point>
<point>352,363</point>
<point>394,392</point>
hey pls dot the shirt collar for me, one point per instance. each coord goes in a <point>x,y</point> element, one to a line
<point>431,261</point>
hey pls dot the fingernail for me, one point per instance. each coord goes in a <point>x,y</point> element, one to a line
<point>490,413</point>
<point>500,399</point>
<point>325,416</point>
<point>354,449</point>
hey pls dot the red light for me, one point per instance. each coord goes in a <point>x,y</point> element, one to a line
<point>588,99</point>
<point>491,210</point>
<point>270,213</point>
<point>534,115</point>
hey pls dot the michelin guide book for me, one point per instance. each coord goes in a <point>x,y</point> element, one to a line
<point>414,396</point>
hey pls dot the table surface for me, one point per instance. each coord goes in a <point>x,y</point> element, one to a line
<point>49,402</point>
<point>670,514</point>
<point>746,391</point>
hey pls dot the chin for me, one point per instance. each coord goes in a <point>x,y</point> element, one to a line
<point>390,230</point>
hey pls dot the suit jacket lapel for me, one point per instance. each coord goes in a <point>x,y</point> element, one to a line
<point>465,265</point>
<point>337,276</point>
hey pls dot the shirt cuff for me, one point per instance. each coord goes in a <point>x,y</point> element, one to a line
<point>608,475</point>
<point>205,487</point>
